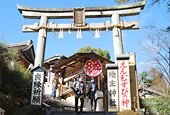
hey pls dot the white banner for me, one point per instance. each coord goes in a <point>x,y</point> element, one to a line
<point>124,85</point>
<point>112,85</point>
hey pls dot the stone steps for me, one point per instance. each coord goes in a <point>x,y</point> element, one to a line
<point>58,105</point>
<point>84,113</point>
<point>63,107</point>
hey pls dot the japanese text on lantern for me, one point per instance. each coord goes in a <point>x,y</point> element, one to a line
<point>37,88</point>
<point>93,68</point>
<point>112,90</point>
<point>124,84</point>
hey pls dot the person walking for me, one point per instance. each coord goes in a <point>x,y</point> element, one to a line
<point>79,92</point>
<point>93,87</point>
<point>54,87</point>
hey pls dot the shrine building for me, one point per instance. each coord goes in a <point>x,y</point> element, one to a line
<point>73,67</point>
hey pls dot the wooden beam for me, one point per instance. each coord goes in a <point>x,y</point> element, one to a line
<point>106,8</point>
<point>80,61</point>
<point>88,27</point>
<point>59,69</point>
<point>90,14</point>
<point>71,66</point>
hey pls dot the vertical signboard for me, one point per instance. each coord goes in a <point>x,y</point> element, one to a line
<point>37,86</point>
<point>79,17</point>
<point>124,84</point>
<point>112,81</point>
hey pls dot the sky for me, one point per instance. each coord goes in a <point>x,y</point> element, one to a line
<point>11,23</point>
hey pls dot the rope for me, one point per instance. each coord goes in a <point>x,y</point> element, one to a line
<point>86,27</point>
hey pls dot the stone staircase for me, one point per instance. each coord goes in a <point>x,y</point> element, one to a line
<point>84,113</point>
<point>63,107</point>
<point>58,105</point>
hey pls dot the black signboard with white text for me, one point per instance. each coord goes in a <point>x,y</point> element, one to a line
<point>38,74</point>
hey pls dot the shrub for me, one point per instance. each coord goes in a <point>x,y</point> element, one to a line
<point>158,105</point>
<point>30,110</point>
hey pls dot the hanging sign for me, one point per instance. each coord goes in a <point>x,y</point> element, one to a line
<point>93,68</point>
<point>79,17</point>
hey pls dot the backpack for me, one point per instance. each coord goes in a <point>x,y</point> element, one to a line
<point>76,90</point>
<point>98,95</point>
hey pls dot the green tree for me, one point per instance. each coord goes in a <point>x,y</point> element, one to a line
<point>144,81</point>
<point>159,84</point>
<point>98,51</point>
<point>153,80</point>
<point>156,105</point>
<point>15,81</point>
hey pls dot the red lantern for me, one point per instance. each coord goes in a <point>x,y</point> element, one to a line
<point>93,68</point>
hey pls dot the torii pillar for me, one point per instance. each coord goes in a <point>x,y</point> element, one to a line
<point>41,43</point>
<point>117,36</point>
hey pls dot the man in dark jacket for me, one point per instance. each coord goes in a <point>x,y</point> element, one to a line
<point>93,87</point>
<point>80,92</point>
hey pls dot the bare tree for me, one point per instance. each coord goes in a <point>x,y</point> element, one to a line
<point>156,45</point>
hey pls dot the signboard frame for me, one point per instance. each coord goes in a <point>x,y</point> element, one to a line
<point>79,17</point>
<point>124,85</point>
<point>38,74</point>
<point>113,87</point>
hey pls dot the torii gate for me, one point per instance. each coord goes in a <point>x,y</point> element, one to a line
<point>79,15</point>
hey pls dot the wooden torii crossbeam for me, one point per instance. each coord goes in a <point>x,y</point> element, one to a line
<point>90,12</point>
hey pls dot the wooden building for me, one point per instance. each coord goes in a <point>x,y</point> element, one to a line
<point>25,51</point>
<point>72,67</point>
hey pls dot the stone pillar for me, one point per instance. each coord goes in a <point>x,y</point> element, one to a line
<point>117,36</point>
<point>112,85</point>
<point>41,43</point>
